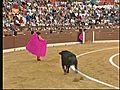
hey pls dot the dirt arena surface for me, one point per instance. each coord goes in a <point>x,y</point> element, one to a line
<point>22,71</point>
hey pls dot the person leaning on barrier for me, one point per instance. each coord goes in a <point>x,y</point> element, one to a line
<point>80,36</point>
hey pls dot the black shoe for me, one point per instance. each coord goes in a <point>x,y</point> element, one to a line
<point>38,59</point>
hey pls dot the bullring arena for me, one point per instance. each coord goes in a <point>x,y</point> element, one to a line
<point>98,61</point>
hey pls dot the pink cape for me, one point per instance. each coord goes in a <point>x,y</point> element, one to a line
<point>81,36</point>
<point>36,46</point>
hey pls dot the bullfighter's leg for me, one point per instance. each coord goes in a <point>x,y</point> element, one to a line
<point>38,59</point>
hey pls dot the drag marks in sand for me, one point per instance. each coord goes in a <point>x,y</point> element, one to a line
<point>93,79</point>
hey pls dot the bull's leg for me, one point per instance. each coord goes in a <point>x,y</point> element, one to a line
<point>76,65</point>
<point>68,69</point>
<point>64,69</point>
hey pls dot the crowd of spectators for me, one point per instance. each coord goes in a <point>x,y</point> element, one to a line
<point>45,13</point>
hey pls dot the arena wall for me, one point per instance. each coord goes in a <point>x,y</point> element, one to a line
<point>55,37</point>
<point>62,37</point>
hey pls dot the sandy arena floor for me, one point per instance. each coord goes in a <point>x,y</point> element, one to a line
<point>22,71</point>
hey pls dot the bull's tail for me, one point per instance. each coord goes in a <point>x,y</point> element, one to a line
<point>73,68</point>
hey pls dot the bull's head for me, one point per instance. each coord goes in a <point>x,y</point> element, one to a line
<point>60,53</point>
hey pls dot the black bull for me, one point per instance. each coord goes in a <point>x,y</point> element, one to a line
<point>68,59</point>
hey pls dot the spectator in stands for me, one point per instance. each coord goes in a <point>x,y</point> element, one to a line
<point>43,12</point>
<point>13,28</point>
